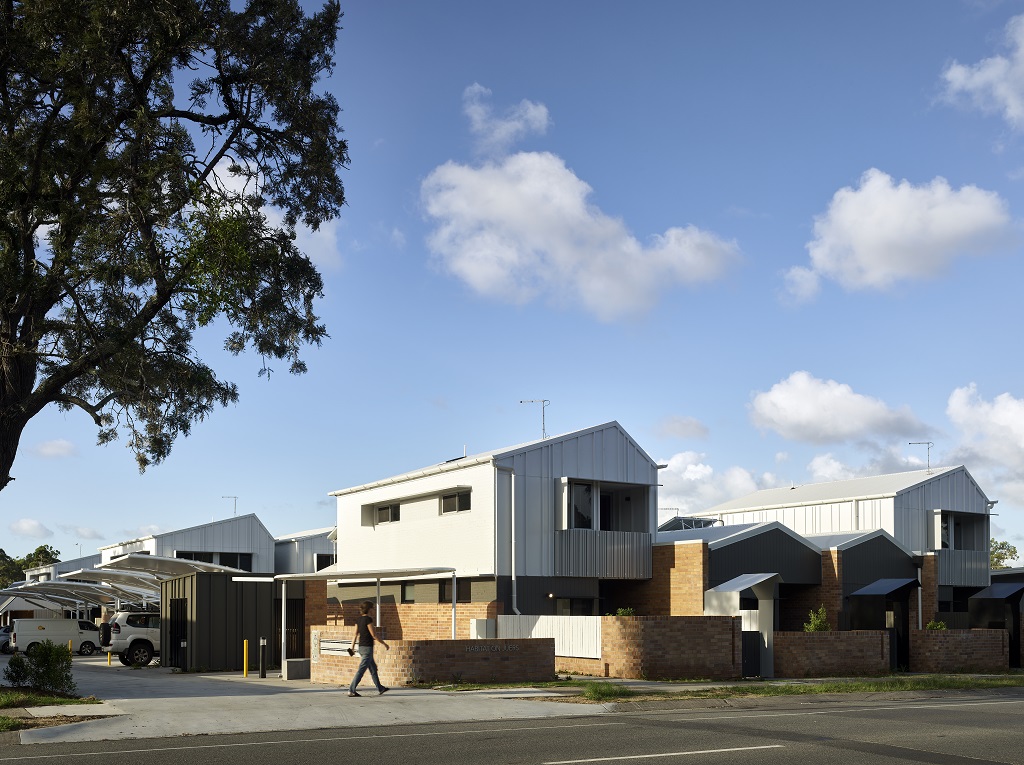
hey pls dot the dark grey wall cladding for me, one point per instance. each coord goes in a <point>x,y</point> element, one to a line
<point>875,559</point>
<point>770,552</point>
<point>532,592</point>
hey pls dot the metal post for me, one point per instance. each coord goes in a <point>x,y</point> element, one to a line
<point>245,658</point>
<point>263,657</point>
<point>378,601</point>
<point>284,623</point>
<point>455,597</point>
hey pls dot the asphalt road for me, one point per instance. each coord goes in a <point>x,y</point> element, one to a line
<point>964,729</point>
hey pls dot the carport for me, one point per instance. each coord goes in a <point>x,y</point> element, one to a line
<point>333,574</point>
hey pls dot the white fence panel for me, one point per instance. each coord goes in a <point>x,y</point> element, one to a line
<point>578,636</point>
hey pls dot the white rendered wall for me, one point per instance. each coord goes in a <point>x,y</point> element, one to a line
<point>423,537</point>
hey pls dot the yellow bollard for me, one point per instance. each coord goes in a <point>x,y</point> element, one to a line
<point>69,649</point>
<point>245,658</point>
<point>108,658</point>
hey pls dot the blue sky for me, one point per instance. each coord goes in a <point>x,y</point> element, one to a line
<point>776,242</point>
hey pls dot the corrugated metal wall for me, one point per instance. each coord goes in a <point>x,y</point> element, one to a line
<point>770,552</point>
<point>955,491</point>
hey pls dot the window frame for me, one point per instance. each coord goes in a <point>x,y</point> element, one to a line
<point>458,497</point>
<point>394,510</point>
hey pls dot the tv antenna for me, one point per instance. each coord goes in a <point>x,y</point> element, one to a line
<point>543,405</point>
<point>930,444</point>
<point>228,496</point>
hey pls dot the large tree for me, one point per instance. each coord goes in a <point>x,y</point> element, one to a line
<point>141,145</point>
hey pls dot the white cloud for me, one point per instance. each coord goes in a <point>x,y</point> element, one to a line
<point>56,449</point>
<point>825,467</point>
<point>142,531</point>
<point>522,228</point>
<point>27,527</point>
<point>82,532</point>
<point>996,84</point>
<point>495,135</point>
<point>682,427</point>
<point>804,408</point>
<point>992,431</point>
<point>883,232</point>
<point>690,485</point>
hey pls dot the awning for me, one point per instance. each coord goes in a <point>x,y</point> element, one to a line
<point>333,572</point>
<point>745,582</point>
<point>136,579</point>
<point>888,587</point>
<point>1001,591</point>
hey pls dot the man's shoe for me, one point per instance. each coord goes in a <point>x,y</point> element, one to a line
<point>382,691</point>
<point>352,693</point>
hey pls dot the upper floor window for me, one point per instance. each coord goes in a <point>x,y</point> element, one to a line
<point>202,557</point>
<point>237,560</point>
<point>456,503</point>
<point>323,560</point>
<point>581,497</point>
<point>389,513</point>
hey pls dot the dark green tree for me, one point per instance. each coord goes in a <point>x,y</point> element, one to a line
<point>1001,553</point>
<point>140,146</point>
<point>12,569</point>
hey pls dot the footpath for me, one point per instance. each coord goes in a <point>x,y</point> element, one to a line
<point>157,702</point>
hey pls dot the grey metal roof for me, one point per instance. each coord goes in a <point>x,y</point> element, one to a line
<point>483,457</point>
<point>886,587</point>
<point>707,534</point>
<point>305,534</point>
<point>830,491</point>
<point>846,540</point>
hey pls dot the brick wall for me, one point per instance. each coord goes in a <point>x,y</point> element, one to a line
<point>413,621</point>
<point>959,650</point>
<point>441,661</point>
<point>670,647</point>
<point>679,577</point>
<point>831,654</point>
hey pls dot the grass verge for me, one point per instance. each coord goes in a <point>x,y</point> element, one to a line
<point>18,698</point>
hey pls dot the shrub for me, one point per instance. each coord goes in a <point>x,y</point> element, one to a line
<point>818,621</point>
<point>16,674</point>
<point>934,625</point>
<point>49,669</point>
<point>599,690</point>
<point>625,612</point>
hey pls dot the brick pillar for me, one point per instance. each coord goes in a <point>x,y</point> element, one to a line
<point>689,580</point>
<point>832,585</point>
<point>314,609</point>
<point>929,588</point>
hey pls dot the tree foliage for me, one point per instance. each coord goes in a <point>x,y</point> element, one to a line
<point>817,621</point>
<point>11,569</point>
<point>141,145</point>
<point>1000,553</point>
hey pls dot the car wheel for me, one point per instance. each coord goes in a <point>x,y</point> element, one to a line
<point>6,647</point>
<point>86,649</point>
<point>123,658</point>
<point>140,654</point>
<point>31,649</point>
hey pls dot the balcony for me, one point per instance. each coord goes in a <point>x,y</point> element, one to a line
<point>603,554</point>
<point>963,568</point>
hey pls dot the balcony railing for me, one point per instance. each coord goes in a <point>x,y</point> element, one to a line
<point>603,554</point>
<point>963,568</point>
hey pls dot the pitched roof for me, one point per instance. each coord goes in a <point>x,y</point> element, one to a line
<point>830,491</point>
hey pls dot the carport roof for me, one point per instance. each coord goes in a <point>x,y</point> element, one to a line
<point>164,568</point>
<point>332,573</point>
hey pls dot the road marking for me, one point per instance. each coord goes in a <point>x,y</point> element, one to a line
<point>755,715</point>
<point>108,753</point>
<point>666,754</point>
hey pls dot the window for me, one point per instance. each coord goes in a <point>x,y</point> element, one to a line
<point>202,557</point>
<point>408,592</point>
<point>323,560</point>
<point>582,499</point>
<point>388,513</point>
<point>237,560</point>
<point>455,503</point>
<point>462,589</point>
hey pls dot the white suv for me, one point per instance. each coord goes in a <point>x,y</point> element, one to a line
<point>133,636</point>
